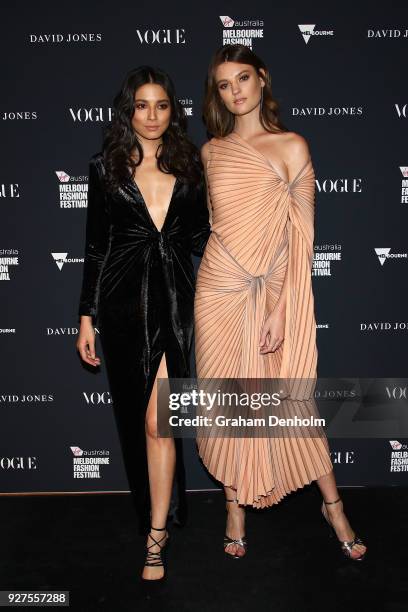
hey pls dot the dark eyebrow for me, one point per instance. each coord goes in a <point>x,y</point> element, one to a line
<point>142,100</point>
<point>239,73</point>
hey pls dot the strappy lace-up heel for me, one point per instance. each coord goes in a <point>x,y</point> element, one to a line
<point>346,547</point>
<point>229,541</point>
<point>154,559</point>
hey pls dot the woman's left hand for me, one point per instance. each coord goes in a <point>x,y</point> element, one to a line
<point>272,332</point>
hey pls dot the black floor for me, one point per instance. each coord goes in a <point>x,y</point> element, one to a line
<point>89,545</point>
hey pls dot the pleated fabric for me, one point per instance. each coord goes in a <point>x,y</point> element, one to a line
<point>262,228</point>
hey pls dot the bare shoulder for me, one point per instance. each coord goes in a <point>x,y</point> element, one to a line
<point>295,147</point>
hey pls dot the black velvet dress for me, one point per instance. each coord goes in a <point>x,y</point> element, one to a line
<point>138,285</point>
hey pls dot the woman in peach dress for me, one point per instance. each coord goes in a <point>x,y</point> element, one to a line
<point>254,309</point>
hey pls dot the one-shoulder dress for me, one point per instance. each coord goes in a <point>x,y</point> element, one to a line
<point>262,226</point>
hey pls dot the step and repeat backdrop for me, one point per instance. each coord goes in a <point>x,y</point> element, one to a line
<point>338,74</point>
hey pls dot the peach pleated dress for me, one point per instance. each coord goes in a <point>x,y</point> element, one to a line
<point>262,226</point>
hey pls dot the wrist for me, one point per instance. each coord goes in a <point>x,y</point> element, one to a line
<point>280,307</point>
<point>86,320</point>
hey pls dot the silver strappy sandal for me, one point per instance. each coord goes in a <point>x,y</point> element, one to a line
<point>346,547</point>
<point>229,541</point>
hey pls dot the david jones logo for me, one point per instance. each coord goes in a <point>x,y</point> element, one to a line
<point>89,37</point>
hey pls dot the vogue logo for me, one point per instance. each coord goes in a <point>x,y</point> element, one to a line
<point>401,110</point>
<point>162,37</point>
<point>341,185</point>
<point>82,115</point>
<point>396,392</point>
<point>18,463</point>
<point>9,190</point>
<point>97,398</point>
<point>342,456</point>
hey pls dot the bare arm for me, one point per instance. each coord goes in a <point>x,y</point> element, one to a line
<point>205,156</point>
<point>295,154</point>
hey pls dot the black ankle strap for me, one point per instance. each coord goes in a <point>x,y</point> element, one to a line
<point>333,502</point>
<point>158,528</point>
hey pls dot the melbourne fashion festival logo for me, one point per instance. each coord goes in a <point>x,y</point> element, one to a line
<point>399,456</point>
<point>62,258</point>
<point>404,184</point>
<point>162,36</point>
<point>87,463</point>
<point>187,104</point>
<point>384,254</point>
<point>73,190</point>
<point>308,31</point>
<point>8,262</point>
<point>323,258</point>
<point>241,31</point>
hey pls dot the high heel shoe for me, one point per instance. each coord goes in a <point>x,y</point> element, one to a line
<point>154,559</point>
<point>229,541</point>
<point>346,547</point>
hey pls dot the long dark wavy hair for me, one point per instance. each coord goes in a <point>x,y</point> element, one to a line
<point>218,119</point>
<point>177,155</point>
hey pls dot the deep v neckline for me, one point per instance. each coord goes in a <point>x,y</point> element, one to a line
<point>159,231</point>
<point>288,183</point>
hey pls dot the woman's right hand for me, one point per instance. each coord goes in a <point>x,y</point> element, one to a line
<point>86,342</point>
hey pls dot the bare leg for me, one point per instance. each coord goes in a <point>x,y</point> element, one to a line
<point>161,459</point>
<point>235,523</point>
<point>328,488</point>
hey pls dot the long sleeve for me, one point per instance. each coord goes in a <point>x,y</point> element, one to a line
<point>97,240</point>
<point>201,221</point>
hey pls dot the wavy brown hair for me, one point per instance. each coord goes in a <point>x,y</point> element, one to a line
<point>218,119</point>
<point>177,156</point>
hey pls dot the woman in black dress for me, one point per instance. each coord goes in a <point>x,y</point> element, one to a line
<point>147,212</point>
